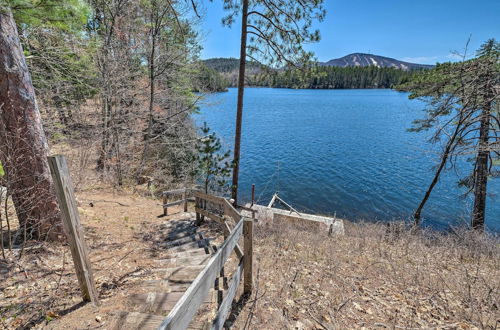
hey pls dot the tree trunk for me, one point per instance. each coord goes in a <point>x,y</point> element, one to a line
<point>444,159</point>
<point>239,109</point>
<point>481,171</point>
<point>149,129</point>
<point>23,146</point>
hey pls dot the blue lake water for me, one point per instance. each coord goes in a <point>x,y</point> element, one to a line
<point>343,152</point>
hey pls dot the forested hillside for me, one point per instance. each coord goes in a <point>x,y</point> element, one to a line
<point>228,69</point>
<point>315,77</point>
<point>364,60</point>
<point>330,77</point>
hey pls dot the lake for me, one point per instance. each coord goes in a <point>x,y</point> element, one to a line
<point>343,152</point>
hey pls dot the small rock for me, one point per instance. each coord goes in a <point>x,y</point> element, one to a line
<point>98,318</point>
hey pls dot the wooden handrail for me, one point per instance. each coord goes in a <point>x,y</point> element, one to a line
<point>183,312</point>
<point>225,306</point>
<point>231,211</point>
<point>184,200</point>
<point>210,198</point>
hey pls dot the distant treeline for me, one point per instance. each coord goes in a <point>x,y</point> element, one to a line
<point>329,77</point>
<point>223,64</point>
<point>318,77</point>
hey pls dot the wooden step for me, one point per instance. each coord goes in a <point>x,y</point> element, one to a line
<point>177,224</point>
<point>134,321</point>
<point>163,286</point>
<point>199,244</point>
<point>159,303</point>
<point>176,234</point>
<point>180,273</point>
<point>177,241</point>
<point>141,321</point>
<point>189,253</point>
<point>191,260</point>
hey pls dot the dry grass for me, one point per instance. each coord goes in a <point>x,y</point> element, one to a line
<point>373,277</point>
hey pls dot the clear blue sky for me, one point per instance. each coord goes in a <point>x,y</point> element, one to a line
<point>421,31</point>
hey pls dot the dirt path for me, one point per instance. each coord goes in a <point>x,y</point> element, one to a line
<point>136,257</point>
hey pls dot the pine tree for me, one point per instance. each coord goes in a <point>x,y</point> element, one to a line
<point>463,100</point>
<point>272,31</point>
<point>214,167</point>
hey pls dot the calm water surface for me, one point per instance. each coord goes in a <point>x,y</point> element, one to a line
<point>341,151</point>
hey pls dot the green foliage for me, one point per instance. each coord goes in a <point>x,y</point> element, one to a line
<point>61,65</point>
<point>58,54</point>
<point>278,29</point>
<point>463,110</point>
<point>214,166</point>
<point>227,65</point>
<point>209,80</point>
<point>2,172</point>
<point>330,77</point>
<point>68,15</point>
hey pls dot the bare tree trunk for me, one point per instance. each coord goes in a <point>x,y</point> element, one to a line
<point>444,159</point>
<point>149,131</point>
<point>481,171</point>
<point>23,146</point>
<point>105,114</point>
<point>239,109</point>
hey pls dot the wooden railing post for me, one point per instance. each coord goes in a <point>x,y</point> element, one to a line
<point>248,255</point>
<point>198,216</point>
<point>165,201</point>
<point>253,195</point>
<point>185,200</point>
<point>71,223</point>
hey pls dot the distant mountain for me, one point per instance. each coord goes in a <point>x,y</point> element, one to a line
<point>227,65</point>
<point>360,59</point>
<point>352,71</point>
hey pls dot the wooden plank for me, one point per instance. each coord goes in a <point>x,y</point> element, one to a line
<point>225,307</point>
<point>237,248</point>
<point>209,215</point>
<point>187,306</point>
<point>210,198</point>
<point>73,228</point>
<point>173,203</point>
<point>174,192</point>
<point>231,211</point>
<point>134,321</point>
<point>248,258</point>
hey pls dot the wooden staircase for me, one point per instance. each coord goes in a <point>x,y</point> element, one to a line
<point>189,251</point>
<point>193,291</point>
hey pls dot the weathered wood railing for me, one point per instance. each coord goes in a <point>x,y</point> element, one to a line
<point>216,208</point>
<point>183,192</point>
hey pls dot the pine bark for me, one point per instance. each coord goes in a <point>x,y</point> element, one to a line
<point>481,172</point>
<point>23,145</point>
<point>239,109</point>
